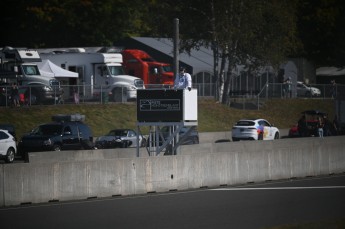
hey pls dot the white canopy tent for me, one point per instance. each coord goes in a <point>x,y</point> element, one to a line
<point>330,71</point>
<point>48,68</point>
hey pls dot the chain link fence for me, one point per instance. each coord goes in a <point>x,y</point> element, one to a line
<point>77,94</point>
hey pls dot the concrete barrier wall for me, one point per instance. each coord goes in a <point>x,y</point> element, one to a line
<point>208,164</point>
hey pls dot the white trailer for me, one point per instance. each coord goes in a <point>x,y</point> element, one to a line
<point>19,65</point>
<point>99,73</point>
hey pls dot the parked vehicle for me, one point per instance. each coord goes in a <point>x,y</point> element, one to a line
<point>8,146</point>
<point>10,128</point>
<point>140,64</point>
<point>66,132</point>
<point>18,65</point>
<point>307,91</point>
<point>254,129</point>
<point>119,138</point>
<point>100,74</point>
<point>307,124</point>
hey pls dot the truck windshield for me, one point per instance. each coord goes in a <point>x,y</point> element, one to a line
<point>167,68</point>
<point>116,70</point>
<point>31,70</point>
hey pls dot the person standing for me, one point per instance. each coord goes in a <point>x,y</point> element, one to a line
<point>76,96</point>
<point>288,87</point>
<point>15,95</point>
<point>183,80</point>
<point>302,126</point>
<point>320,126</point>
<point>335,125</point>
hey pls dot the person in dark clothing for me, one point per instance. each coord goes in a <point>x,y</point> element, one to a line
<point>302,126</point>
<point>15,95</point>
<point>335,126</point>
<point>327,126</point>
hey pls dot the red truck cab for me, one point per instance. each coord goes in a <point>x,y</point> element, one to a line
<point>140,64</point>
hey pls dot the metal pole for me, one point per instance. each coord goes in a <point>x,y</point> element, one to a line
<point>138,131</point>
<point>176,46</point>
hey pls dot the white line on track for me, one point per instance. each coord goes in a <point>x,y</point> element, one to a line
<point>276,188</point>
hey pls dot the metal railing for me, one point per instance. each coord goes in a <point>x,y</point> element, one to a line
<point>78,94</point>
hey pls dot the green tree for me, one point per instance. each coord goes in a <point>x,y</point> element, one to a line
<point>61,23</point>
<point>253,33</point>
<point>321,28</point>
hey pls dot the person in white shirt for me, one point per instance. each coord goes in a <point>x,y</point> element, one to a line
<point>183,80</point>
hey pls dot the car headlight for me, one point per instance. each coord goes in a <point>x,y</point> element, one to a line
<point>47,142</point>
<point>46,88</point>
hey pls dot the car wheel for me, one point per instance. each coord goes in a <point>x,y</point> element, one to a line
<point>10,155</point>
<point>56,147</point>
<point>276,136</point>
<point>195,140</point>
<point>87,144</point>
<point>124,144</point>
<point>26,156</point>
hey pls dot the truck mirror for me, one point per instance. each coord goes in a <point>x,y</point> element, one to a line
<point>15,69</point>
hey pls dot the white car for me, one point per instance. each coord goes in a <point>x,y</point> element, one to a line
<point>254,129</point>
<point>8,146</point>
<point>307,91</point>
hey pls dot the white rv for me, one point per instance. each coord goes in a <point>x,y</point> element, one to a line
<point>99,73</point>
<point>18,65</point>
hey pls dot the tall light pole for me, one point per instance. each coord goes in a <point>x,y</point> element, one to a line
<point>176,46</point>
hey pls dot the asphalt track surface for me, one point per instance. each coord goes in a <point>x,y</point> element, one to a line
<point>247,206</point>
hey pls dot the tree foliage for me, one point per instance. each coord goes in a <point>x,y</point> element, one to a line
<point>56,23</point>
<point>321,28</point>
<point>240,32</point>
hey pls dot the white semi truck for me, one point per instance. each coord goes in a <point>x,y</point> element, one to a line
<point>18,65</point>
<point>99,73</point>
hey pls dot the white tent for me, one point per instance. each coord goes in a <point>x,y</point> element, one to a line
<point>330,71</point>
<point>48,68</point>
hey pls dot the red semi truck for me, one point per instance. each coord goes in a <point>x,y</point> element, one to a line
<point>140,64</point>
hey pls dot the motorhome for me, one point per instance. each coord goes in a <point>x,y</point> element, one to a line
<point>18,65</point>
<point>99,73</point>
<point>139,63</point>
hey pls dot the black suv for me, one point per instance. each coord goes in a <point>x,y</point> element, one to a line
<point>56,136</point>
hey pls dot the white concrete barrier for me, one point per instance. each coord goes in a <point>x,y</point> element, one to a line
<point>210,164</point>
